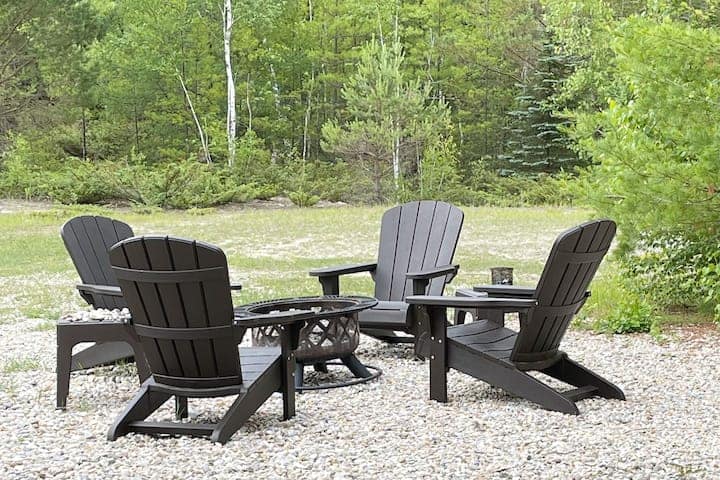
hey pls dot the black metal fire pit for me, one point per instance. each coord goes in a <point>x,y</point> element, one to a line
<point>331,332</point>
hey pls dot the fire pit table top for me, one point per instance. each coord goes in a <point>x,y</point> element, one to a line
<point>290,310</point>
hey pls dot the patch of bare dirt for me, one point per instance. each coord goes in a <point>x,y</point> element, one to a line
<point>11,205</point>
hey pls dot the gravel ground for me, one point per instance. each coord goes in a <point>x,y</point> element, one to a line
<point>668,428</point>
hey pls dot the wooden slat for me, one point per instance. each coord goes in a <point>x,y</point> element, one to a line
<point>149,297</point>
<point>170,428</point>
<point>218,302</point>
<point>173,307</point>
<point>420,240</point>
<point>577,394</point>
<point>97,250</point>
<point>76,250</point>
<point>563,282</point>
<point>451,234</point>
<point>87,239</point>
<point>386,253</point>
<point>406,234</point>
<point>132,296</point>
<point>184,258</point>
<point>107,237</point>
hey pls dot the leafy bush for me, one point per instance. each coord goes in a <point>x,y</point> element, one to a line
<point>615,306</point>
<point>677,270</point>
<point>655,143</point>
<point>521,190</point>
<point>303,199</point>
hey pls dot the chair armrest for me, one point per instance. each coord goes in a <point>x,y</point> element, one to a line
<point>343,270</point>
<point>421,280</point>
<point>449,270</point>
<point>235,287</point>
<point>93,289</point>
<point>505,290</point>
<point>472,302</point>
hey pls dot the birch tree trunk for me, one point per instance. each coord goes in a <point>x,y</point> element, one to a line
<point>201,132</point>
<point>231,112</point>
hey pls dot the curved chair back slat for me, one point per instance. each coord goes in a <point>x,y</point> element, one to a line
<point>415,236</point>
<point>88,239</point>
<point>178,292</point>
<point>561,291</point>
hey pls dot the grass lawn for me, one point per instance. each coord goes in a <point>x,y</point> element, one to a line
<point>269,250</point>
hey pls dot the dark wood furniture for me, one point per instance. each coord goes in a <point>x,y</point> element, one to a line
<point>178,292</point>
<point>87,239</point>
<point>486,350</point>
<point>417,245</point>
<point>332,333</point>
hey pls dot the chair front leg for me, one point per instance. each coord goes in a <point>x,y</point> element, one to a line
<point>288,343</point>
<point>438,355</point>
<point>420,286</point>
<point>330,284</point>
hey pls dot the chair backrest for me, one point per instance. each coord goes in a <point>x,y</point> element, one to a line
<point>178,292</point>
<point>561,291</point>
<point>88,239</point>
<point>415,236</point>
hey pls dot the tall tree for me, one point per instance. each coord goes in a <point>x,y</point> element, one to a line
<point>535,142</point>
<point>389,117</point>
<point>230,79</point>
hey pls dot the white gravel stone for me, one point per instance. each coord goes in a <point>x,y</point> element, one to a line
<point>669,427</point>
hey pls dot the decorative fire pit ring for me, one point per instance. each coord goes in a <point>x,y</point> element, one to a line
<point>330,332</point>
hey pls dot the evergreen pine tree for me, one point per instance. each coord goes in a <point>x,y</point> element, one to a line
<point>535,145</point>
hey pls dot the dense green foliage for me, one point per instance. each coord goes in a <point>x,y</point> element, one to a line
<point>651,129</point>
<point>535,141</point>
<point>140,84</point>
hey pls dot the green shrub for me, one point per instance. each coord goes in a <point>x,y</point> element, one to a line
<point>615,306</point>
<point>303,199</point>
<point>677,270</point>
<point>521,190</point>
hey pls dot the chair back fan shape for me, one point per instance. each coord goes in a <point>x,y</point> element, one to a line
<point>88,239</point>
<point>415,236</point>
<point>179,295</point>
<point>561,292</point>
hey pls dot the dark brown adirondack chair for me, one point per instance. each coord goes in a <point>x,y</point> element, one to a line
<point>502,357</point>
<point>178,293</point>
<point>87,239</point>
<point>417,245</point>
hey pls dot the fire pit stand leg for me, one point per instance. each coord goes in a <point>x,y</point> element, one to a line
<point>357,368</point>
<point>320,367</point>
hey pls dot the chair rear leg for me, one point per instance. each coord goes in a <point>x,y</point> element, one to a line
<point>64,362</point>
<point>299,374</point>
<point>575,374</point>
<point>181,408</point>
<point>459,316</point>
<point>139,408</point>
<point>509,379</point>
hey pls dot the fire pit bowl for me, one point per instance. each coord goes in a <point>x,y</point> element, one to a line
<point>330,332</point>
